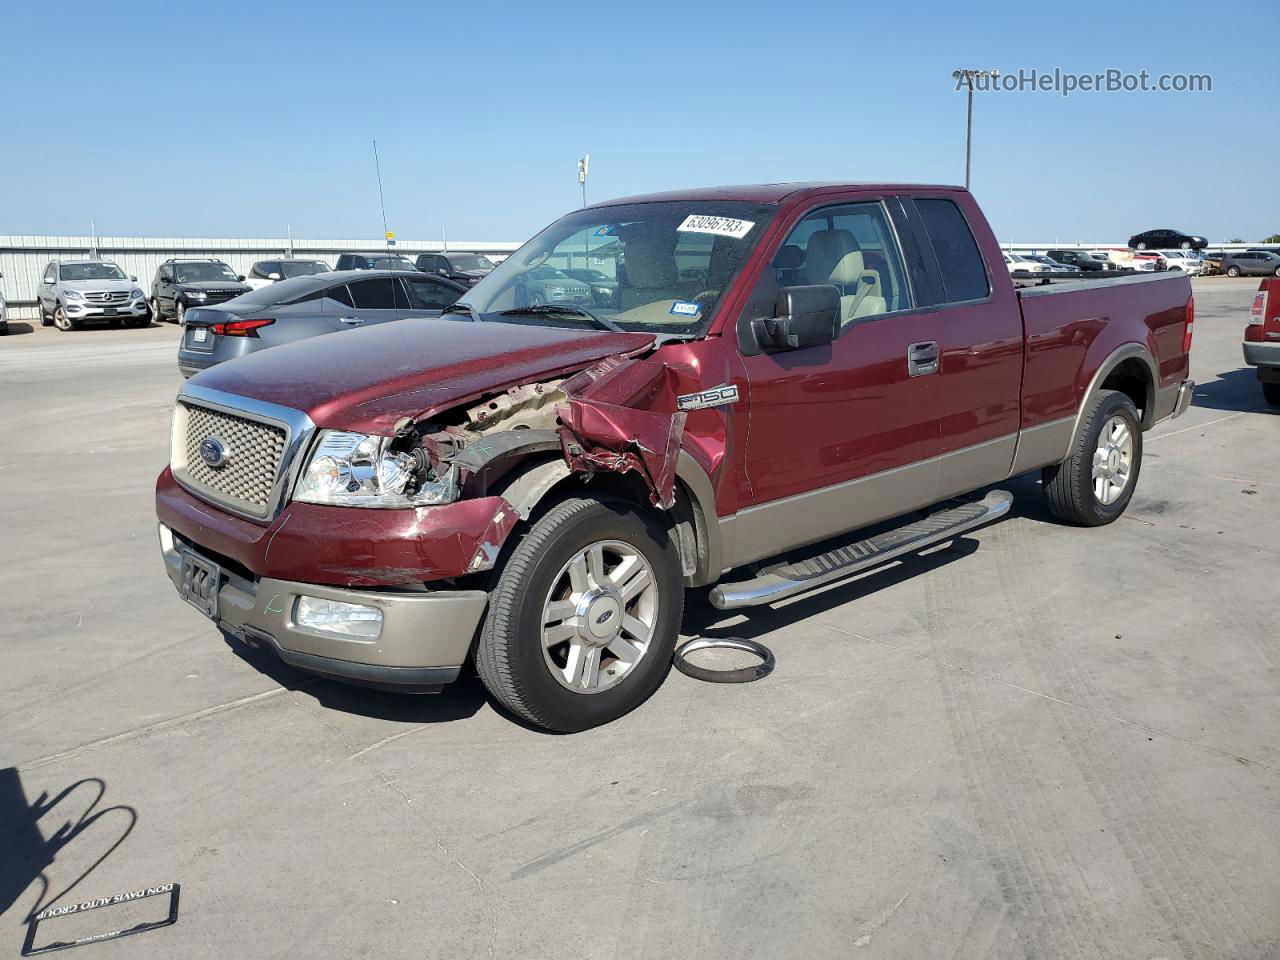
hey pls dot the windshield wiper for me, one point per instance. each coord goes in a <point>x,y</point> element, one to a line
<point>460,308</point>
<point>536,309</point>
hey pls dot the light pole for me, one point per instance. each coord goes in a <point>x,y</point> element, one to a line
<point>967,76</point>
<point>582,175</point>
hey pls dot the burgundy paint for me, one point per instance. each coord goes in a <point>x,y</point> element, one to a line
<point>344,546</point>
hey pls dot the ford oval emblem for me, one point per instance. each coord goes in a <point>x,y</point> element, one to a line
<point>604,618</point>
<point>214,452</point>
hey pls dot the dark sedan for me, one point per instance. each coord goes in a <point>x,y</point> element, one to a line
<point>1166,240</point>
<point>1250,263</point>
<point>305,307</point>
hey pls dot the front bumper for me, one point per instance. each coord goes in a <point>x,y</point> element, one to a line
<point>81,310</point>
<point>425,636</point>
<point>1262,354</point>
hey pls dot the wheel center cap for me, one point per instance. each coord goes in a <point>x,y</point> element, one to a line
<point>1113,460</point>
<point>603,618</point>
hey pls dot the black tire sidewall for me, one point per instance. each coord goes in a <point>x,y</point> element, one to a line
<point>551,704</point>
<point>1113,404</point>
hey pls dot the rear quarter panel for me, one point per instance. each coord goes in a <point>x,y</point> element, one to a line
<point>1072,333</point>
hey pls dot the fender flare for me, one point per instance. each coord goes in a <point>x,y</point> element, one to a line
<point>1127,351</point>
<point>526,491</point>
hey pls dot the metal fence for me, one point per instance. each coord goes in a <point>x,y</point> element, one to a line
<point>23,259</point>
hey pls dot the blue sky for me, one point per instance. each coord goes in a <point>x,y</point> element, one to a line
<point>236,119</point>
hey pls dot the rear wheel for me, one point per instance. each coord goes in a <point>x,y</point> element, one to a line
<point>1142,246</point>
<point>155,310</point>
<point>1094,484</point>
<point>1271,393</point>
<point>583,620</point>
<point>1233,271</point>
<point>45,319</point>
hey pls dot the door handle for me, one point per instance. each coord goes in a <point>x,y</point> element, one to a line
<point>350,320</point>
<point>922,358</point>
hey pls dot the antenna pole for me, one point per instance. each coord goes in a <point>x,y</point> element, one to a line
<point>381,203</point>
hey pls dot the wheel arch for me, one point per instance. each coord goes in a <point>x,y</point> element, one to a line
<point>541,484</point>
<point>1130,369</point>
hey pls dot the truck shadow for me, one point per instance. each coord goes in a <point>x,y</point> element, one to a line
<point>32,857</point>
<point>1235,390</point>
<point>703,620</point>
<point>459,700</point>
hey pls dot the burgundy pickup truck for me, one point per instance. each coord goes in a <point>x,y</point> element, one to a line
<point>531,482</point>
<point>1262,338</point>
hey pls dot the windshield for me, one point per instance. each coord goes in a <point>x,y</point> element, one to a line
<point>668,263</point>
<point>388,263</point>
<point>90,271</point>
<point>303,268</point>
<point>470,261</point>
<point>198,272</point>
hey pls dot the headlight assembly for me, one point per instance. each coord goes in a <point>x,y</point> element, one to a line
<point>359,470</point>
<point>195,294</point>
<point>73,294</point>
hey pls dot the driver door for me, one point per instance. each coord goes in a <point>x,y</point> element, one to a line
<point>845,434</point>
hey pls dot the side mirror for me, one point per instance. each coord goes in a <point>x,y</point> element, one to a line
<point>134,279</point>
<point>240,277</point>
<point>270,276</point>
<point>804,316</point>
<point>443,272</point>
<point>49,280</point>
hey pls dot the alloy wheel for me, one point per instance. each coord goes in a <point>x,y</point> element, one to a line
<point>599,616</point>
<point>1112,461</point>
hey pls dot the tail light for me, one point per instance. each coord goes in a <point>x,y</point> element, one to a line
<point>1189,329</point>
<point>1258,312</point>
<point>240,328</point>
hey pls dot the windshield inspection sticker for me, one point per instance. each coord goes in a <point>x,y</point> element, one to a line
<point>720,226</point>
<point>685,308</point>
<point>133,919</point>
<point>715,397</point>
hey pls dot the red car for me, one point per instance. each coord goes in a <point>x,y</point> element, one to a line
<point>1262,338</point>
<point>532,487</point>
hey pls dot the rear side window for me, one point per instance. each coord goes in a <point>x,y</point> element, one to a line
<point>379,294</point>
<point>428,295</point>
<point>964,276</point>
<point>341,294</point>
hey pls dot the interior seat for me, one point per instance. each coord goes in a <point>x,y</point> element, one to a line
<point>860,291</point>
<point>651,273</point>
<point>825,250</point>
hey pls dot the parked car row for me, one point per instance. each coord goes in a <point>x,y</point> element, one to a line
<point>88,290</point>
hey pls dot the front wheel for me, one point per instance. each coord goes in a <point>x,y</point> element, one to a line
<point>1094,484</point>
<point>181,315</point>
<point>584,618</point>
<point>62,321</point>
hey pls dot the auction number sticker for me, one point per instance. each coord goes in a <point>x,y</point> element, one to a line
<point>720,226</point>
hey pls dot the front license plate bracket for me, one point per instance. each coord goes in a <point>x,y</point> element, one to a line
<point>199,583</point>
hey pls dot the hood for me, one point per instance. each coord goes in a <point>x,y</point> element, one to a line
<point>366,380</point>
<point>97,286</point>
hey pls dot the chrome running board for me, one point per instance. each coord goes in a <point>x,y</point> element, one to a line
<point>782,580</point>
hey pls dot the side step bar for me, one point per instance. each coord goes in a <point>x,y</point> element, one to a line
<point>784,580</point>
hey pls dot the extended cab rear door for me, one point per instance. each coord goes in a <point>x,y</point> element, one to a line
<point>980,340</point>
<point>844,434</point>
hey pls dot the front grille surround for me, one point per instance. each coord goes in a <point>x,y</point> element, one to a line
<point>107,296</point>
<point>265,442</point>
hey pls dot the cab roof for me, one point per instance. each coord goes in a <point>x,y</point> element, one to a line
<point>770,192</point>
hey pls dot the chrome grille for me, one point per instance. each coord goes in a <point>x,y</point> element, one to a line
<point>105,296</point>
<point>255,452</point>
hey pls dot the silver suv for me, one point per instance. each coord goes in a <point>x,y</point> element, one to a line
<point>74,291</point>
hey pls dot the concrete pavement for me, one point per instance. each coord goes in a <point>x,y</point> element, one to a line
<point>1040,742</point>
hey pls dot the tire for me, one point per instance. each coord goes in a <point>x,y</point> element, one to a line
<point>45,319</point>
<point>1271,393</point>
<point>538,682</point>
<point>1277,273</point>
<point>1233,271</point>
<point>180,316</point>
<point>62,321</point>
<point>1089,493</point>
<point>1141,246</point>
<point>1186,244</point>
<point>156,315</point>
